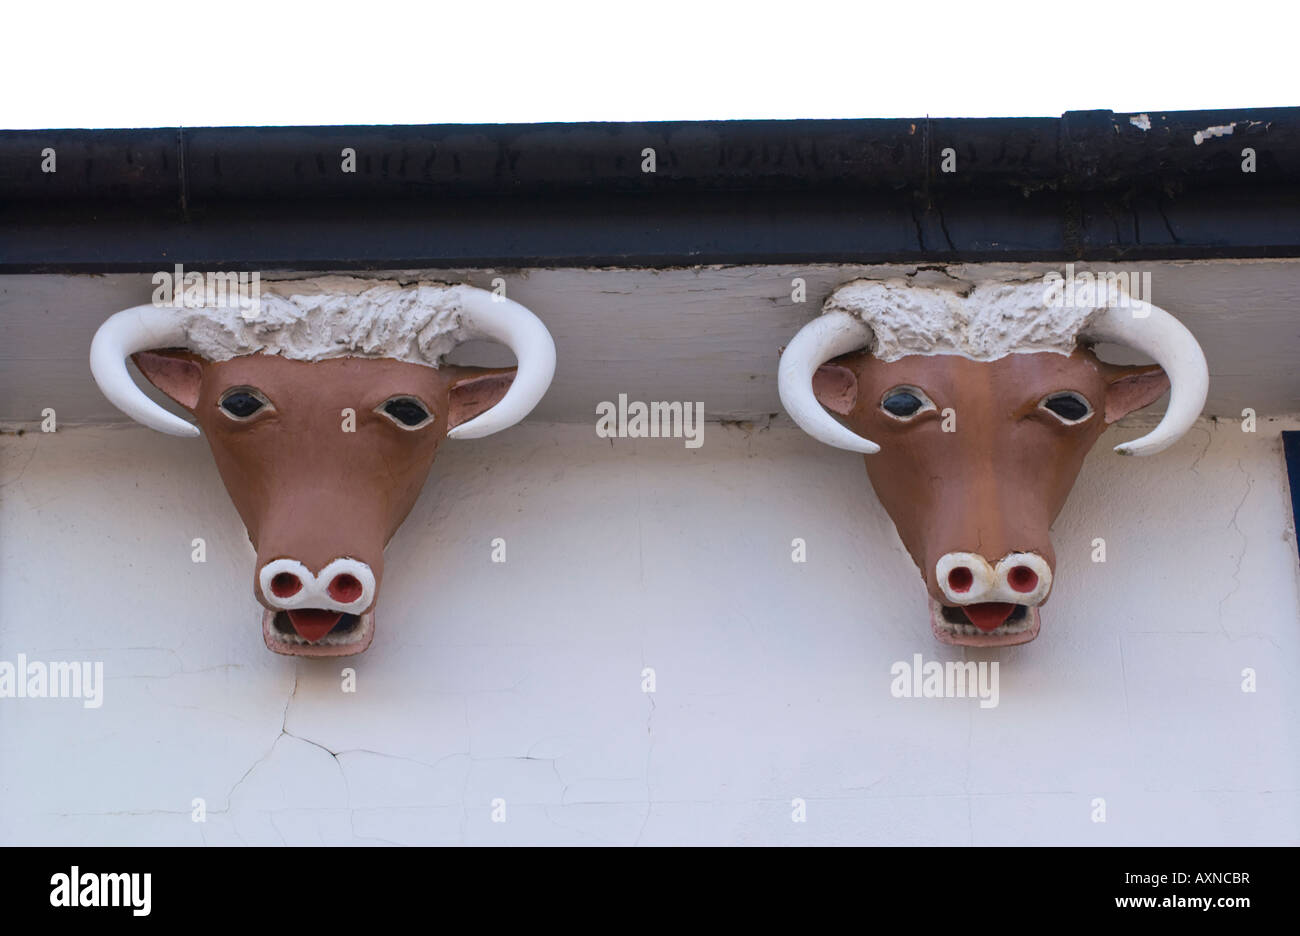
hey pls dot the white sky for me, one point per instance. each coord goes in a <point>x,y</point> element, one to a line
<point>117,63</point>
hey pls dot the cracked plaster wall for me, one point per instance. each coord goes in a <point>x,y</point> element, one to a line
<point>522,680</point>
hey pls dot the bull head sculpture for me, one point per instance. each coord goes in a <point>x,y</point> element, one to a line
<point>975,406</point>
<point>324,411</point>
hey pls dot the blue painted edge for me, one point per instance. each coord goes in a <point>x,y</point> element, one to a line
<point>1291,449</point>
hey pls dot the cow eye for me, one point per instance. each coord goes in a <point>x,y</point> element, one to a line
<point>406,411</point>
<point>1069,407</point>
<point>243,402</point>
<point>905,402</point>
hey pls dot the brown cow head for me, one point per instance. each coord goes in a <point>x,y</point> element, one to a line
<point>977,454</point>
<point>323,459</point>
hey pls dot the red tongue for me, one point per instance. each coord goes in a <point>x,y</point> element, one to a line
<point>986,615</point>
<point>313,625</point>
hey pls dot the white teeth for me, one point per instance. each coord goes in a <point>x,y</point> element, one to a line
<point>355,635</point>
<point>970,630</point>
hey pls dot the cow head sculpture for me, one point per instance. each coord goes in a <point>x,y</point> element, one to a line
<point>975,406</point>
<point>324,411</point>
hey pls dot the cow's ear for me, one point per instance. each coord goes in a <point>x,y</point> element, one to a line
<point>836,387</point>
<point>476,390</point>
<point>176,373</point>
<point>1131,388</point>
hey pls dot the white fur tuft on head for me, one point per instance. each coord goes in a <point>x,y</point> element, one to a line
<point>983,321</point>
<point>331,317</point>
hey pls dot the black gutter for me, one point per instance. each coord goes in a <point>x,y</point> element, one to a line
<point>1088,186</point>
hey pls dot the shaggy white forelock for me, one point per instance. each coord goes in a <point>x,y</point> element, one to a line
<point>984,321</point>
<point>332,317</point>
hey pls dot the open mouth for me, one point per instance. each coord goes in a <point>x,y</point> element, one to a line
<point>314,632</point>
<point>986,624</point>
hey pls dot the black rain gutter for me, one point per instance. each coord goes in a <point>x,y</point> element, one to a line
<point>1091,185</point>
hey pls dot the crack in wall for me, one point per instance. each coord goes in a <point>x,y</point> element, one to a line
<point>1233,525</point>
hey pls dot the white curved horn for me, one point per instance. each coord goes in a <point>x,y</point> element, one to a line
<point>829,335</point>
<point>140,328</point>
<point>1155,332</point>
<point>490,315</point>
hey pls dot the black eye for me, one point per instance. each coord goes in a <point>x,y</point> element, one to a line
<point>904,402</point>
<point>1070,407</point>
<point>406,410</point>
<point>242,403</point>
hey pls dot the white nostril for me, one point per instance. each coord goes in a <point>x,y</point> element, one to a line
<point>1025,577</point>
<point>963,577</point>
<point>349,584</point>
<point>286,583</point>
<point>1022,579</point>
<point>344,587</point>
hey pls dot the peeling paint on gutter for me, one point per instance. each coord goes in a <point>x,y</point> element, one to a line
<point>1202,135</point>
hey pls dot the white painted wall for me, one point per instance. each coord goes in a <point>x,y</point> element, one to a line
<point>522,680</point>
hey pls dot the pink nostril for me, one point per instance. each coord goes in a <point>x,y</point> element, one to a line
<point>285,585</point>
<point>345,588</point>
<point>961,579</point>
<point>1022,579</point>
